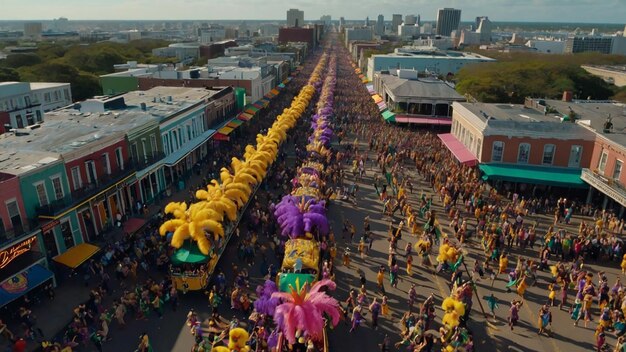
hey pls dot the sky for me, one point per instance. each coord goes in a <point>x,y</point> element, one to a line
<point>584,11</point>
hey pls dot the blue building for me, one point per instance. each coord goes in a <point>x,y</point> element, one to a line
<point>429,59</point>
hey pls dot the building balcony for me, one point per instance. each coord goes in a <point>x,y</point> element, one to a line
<point>89,190</point>
<point>612,188</point>
<point>145,162</point>
<point>17,232</point>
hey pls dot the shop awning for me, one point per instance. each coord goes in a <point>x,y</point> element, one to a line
<point>460,152</point>
<point>77,255</point>
<point>377,98</point>
<point>389,116</point>
<point>225,130</point>
<point>370,89</point>
<point>21,283</point>
<point>234,123</point>
<point>220,137</point>
<point>381,105</point>
<point>251,109</point>
<point>244,116</point>
<point>133,225</point>
<point>538,175</point>
<point>274,91</point>
<point>423,120</point>
<point>187,148</point>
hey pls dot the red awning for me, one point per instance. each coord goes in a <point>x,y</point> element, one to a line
<point>460,152</point>
<point>423,120</point>
<point>220,137</point>
<point>133,225</point>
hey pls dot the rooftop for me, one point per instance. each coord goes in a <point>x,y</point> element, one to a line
<point>98,120</point>
<point>430,52</point>
<point>508,112</point>
<point>612,68</point>
<point>14,162</point>
<point>594,113</point>
<point>421,87</point>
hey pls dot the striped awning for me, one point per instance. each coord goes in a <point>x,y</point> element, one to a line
<point>234,123</point>
<point>244,116</point>
<point>225,130</point>
<point>220,137</point>
<point>381,105</point>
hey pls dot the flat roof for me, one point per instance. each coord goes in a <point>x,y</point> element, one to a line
<point>422,87</point>
<point>16,162</point>
<point>594,113</point>
<point>507,112</point>
<point>611,68</point>
<point>44,85</point>
<point>435,53</point>
<point>68,129</point>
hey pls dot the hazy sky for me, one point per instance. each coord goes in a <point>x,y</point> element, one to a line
<point>594,11</point>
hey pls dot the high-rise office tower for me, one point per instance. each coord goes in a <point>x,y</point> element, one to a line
<point>448,20</point>
<point>295,18</point>
<point>396,20</point>
<point>380,25</point>
<point>410,20</point>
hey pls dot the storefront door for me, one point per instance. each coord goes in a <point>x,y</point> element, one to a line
<point>49,240</point>
<point>66,232</point>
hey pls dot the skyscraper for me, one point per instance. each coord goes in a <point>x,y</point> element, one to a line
<point>396,20</point>
<point>483,27</point>
<point>410,20</point>
<point>380,25</point>
<point>448,20</point>
<point>295,18</point>
<point>367,21</point>
<point>419,21</point>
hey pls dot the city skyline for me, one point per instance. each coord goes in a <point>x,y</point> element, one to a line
<point>565,11</point>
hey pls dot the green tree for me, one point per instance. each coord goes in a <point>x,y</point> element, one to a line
<point>8,75</point>
<point>19,60</point>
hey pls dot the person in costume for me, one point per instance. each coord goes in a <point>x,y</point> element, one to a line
<point>514,313</point>
<point>375,308</point>
<point>384,307</point>
<point>545,320</point>
<point>492,303</point>
<point>357,318</point>
<point>144,343</point>
<point>551,294</point>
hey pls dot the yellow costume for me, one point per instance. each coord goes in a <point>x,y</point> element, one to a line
<point>624,264</point>
<point>503,264</point>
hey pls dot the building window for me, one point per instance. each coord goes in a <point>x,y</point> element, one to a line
<point>20,122</point>
<point>574,156</point>
<point>617,170</point>
<point>602,162</point>
<point>66,94</point>
<point>107,163</point>
<point>523,153</point>
<point>145,150</point>
<point>58,187</point>
<point>27,101</point>
<point>497,151</point>
<point>76,178</point>
<point>174,141</point>
<point>46,97</point>
<point>548,154</point>
<point>40,187</point>
<point>153,144</point>
<point>14,214</point>
<point>38,114</point>
<point>119,159</point>
<point>92,175</point>
<point>68,236</point>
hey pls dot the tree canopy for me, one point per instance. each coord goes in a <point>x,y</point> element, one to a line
<point>516,76</point>
<point>78,64</point>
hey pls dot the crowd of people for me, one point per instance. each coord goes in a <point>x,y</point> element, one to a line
<point>498,224</point>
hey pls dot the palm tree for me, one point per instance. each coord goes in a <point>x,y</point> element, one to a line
<point>303,310</point>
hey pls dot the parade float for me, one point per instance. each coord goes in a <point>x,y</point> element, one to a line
<point>306,311</point>
<point>209,223</point>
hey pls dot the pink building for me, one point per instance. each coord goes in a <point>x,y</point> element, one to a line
<point>13,220</point>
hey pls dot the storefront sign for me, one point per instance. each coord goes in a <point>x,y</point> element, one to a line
<point>49,226</point>
<point>9,254</point>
